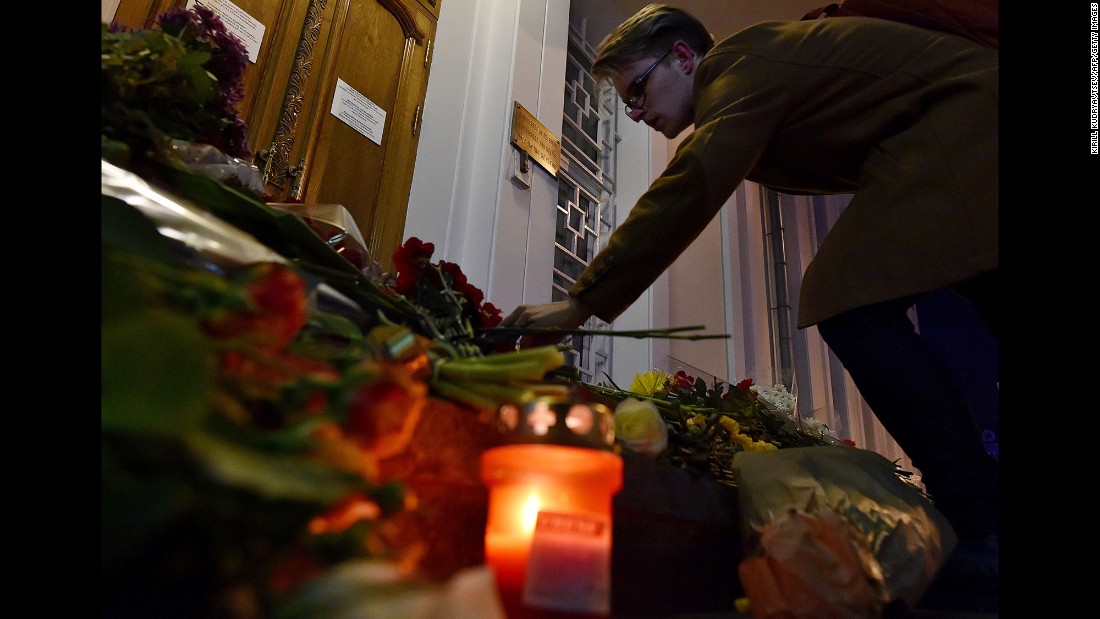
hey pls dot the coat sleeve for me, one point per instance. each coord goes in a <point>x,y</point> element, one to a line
<point>735,115</point>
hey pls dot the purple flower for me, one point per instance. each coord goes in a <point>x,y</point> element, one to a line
<point>173,21</point>
<point>201,28</point>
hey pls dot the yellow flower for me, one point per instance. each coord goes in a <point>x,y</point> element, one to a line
<point>746,442</point>
<point>638,424</point>
<point>649,383</point>
<point>742,605</point>
<point>698,423</point>
<point>730,424</point>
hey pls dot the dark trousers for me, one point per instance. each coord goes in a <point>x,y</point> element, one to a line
<point>918,399</point>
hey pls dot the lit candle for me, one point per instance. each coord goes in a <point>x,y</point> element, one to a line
<point>548,533</point>
<point>511,525</point>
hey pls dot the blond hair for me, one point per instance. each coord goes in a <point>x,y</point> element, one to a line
<point>649,32</point>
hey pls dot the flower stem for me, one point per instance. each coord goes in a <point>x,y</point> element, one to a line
<point>671,333</point>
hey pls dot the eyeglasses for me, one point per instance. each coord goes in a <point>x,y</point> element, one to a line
<point>636,91</point>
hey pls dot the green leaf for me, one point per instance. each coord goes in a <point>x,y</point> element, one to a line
<point>122,291</point>
<point>156,370</point>
<point>126,228</point>
<point>285,233</point>
<point>203,85</point>
<point>334,324</point>
<point>272,475</point>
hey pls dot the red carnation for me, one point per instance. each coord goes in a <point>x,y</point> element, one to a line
<point>276,295</point>
<point>490,316</point>
<point>383,412</point>
<point>414,255</point>
<point>681,380</point>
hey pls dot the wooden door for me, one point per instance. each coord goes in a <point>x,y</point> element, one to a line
<point>378,48</point>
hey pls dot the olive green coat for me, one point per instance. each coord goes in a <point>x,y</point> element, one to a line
<point>903,118</point>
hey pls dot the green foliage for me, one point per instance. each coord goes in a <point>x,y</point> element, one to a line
<point>157,76</point>
<point>697,416</point>
<point>153,389</point>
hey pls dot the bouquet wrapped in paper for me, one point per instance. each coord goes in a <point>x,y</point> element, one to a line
<point>834,532</point>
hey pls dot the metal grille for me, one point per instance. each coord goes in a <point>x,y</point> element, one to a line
<point>586,185</point>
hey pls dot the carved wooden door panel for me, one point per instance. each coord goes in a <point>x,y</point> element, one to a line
<point>312,52</point>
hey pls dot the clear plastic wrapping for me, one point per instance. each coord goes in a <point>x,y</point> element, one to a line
<point>834,532</point>
<point>212,163</point>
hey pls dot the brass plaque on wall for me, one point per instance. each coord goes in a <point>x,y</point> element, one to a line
<point>533,138</point>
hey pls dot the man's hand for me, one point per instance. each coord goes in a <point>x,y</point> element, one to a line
<point>567,314</point>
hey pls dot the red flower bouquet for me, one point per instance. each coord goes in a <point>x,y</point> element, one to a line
<point>234,414</point>
<point>458,307</point>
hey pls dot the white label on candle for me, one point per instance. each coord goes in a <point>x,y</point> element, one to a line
<point>569,567</point>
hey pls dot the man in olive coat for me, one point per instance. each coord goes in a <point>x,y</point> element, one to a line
<point>903,118</point>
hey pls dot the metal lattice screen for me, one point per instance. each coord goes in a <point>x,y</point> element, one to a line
<point>586,182</point>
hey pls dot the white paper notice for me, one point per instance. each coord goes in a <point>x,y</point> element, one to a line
<point>359,112</point>
<point>238,23</point>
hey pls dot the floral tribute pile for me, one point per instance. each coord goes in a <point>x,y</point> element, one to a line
<point>245,414</point>
<point>181,80</point>
<point>679,419</point>
<point>247,405</point>
<point>243,424</point>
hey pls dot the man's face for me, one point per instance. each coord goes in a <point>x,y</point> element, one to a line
<point>657,90</point>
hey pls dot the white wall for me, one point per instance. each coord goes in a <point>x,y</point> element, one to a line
<point>489,53</point>
<point>642,155</point>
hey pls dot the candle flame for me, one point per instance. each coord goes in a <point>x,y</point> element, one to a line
<point>530,512</point>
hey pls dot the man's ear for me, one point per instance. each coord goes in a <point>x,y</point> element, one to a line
<point>685,56</point>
